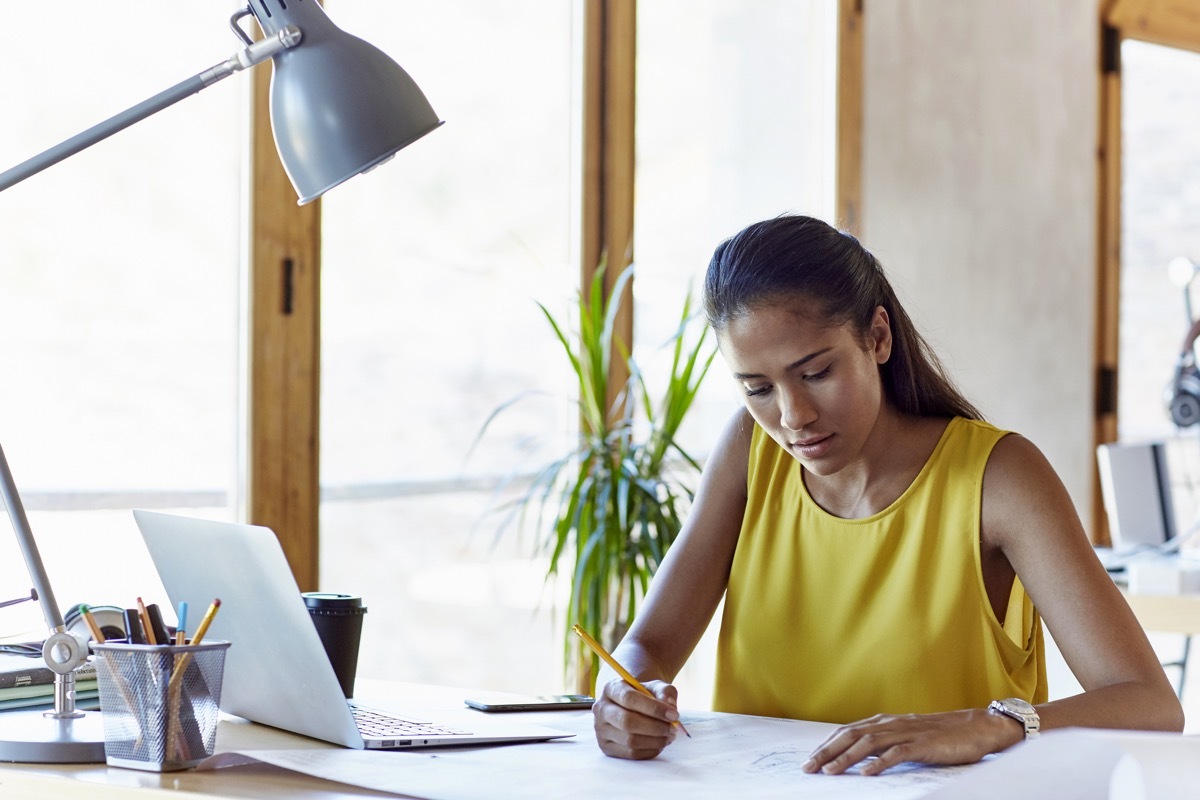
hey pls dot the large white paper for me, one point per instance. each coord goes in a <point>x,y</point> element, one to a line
<point>728,756</point>
<point>733,756</point>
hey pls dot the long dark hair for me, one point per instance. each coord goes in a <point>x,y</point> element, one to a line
<point>795,256</point>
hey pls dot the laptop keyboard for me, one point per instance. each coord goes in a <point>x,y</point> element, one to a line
<point>373,722</point>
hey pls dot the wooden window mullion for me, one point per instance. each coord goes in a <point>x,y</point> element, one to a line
<point>283,491</point>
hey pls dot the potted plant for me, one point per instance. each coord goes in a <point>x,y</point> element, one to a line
<point>608,509</point>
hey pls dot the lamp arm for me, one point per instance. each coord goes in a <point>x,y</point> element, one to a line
<point>61,652</point>
<point>256,53</point>
<point>29,549</point>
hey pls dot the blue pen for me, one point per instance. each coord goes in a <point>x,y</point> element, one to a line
<point>181,628</point>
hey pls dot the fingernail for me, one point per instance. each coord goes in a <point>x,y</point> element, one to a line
<point>809,766</point>
<point>672,715</point>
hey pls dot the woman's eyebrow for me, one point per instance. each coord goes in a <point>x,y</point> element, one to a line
<point>794,365</point>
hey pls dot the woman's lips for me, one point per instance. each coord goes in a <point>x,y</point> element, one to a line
<point>813,446</point>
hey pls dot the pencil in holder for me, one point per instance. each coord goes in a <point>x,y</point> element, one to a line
<point>160,703</point>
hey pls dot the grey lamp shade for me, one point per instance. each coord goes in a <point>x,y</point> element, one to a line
<point>339,106</point>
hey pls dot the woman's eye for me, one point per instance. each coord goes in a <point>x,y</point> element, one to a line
<point>819,375</point>
<point>755,392</point>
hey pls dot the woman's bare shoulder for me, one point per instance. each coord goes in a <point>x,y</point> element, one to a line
<point>1016,463</point>
<point>1024,497</point>
<point>731,453</point>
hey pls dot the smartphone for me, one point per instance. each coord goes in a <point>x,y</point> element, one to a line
<point>517,702</point>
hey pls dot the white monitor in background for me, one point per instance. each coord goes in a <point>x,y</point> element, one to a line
<point>1150,490</point>
<point>1132,481</point>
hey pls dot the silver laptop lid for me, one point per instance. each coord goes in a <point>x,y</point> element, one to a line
<point>276,671</point>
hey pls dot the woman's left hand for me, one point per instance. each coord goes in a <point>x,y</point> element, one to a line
<point>955,737</point>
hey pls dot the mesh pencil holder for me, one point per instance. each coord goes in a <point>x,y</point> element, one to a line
<point>159,703</point>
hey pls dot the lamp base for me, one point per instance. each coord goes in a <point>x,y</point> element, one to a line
<point>30,737</point>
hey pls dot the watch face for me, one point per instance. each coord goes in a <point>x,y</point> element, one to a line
<point>1019,706</point>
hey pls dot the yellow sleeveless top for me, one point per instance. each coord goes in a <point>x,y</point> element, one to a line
<point>835,620</point>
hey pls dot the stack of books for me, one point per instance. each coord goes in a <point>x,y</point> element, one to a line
<point>26,682</point>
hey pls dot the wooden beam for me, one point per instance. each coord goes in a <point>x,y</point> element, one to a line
<point>610,52</point>
<point>1173,23</point>
<point>848,201</point>
<point>284,351</point>
<point>1108,263</point>
<point>592,240</point>
<point>609,92</point>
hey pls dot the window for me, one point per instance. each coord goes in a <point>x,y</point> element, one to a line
<point>119,315</point>
<point>1160,203</point>
<point>432,267</point>
<point>735,124</point>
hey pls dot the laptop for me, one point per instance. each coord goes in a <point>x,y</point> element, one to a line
<point>276,671</point>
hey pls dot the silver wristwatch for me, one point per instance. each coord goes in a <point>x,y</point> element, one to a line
<point>1021,711</point>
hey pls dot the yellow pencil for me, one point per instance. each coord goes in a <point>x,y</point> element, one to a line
<point>97,634</point>
<point>202,628</point>
<point>624,673</point>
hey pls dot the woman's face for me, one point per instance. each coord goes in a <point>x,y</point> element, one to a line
<point>814,388</point>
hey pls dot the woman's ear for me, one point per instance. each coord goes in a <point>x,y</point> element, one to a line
<point>879,337</point>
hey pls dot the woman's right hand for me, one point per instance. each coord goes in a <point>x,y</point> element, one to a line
<point>631,725</point>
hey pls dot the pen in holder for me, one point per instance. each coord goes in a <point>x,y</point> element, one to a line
<point>160,703</point>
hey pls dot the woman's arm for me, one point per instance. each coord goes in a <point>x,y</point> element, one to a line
<point>1029,517</point>
<point>682,599</point>
<point>1030,526</point>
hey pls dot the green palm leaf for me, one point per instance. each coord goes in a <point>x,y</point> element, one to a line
<point>615,502</point>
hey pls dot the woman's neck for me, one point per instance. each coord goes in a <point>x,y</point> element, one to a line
<point>895,453</point>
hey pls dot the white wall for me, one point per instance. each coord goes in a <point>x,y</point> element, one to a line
<point>979,198</point>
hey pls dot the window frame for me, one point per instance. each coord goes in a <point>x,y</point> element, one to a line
<point>284,351</point>
<point>1155,23</point>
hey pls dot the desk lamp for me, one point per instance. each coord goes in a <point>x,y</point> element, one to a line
<point>339,106</point>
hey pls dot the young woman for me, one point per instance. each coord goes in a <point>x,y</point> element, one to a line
<point>885,555</point>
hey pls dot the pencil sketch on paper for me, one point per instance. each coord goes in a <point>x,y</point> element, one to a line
<point>771,751</point>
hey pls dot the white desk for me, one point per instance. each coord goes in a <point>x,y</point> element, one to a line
<point>1177,613</point>
<point>729,756</point>
<point>250,781</point>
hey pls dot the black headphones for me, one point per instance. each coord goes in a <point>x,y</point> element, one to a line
<point>111,620</point>
<point>1183,395</point>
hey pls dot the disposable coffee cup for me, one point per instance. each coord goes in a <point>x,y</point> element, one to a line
<point>338,619</point>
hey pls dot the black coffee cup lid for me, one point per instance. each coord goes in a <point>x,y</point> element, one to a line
<point>331,600</point>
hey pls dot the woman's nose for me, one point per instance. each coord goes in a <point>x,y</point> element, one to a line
<point>795,411</point>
